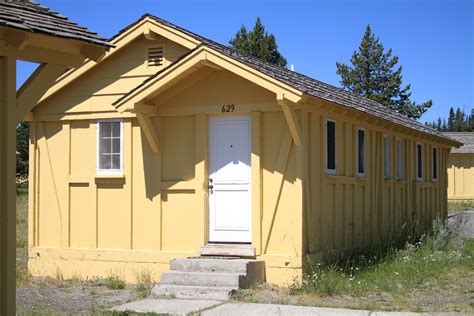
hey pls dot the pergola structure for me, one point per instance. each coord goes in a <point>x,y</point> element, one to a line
<point>29,32</point>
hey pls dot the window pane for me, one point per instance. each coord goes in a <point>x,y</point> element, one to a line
<point>420,161</point>
<point>435,164</point>
<point>361,151</point>
<point>104,129</point>
<point>116,162</point>
<point>104,162</point>
<point>116,145</point>
<point>331,145</point>
<point>116,129</point>
<point>105,146</point>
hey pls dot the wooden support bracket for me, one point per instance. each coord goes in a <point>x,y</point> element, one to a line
<point>15,38</point>
<point>146,109</point>
<point>291,120</point>
<point>150,35</point>
<point>150,132</point>
<point>93,52</point>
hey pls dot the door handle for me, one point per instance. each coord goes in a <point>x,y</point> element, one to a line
<point>210,186</point>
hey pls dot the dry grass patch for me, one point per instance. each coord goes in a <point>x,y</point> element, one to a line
<point>436,273</point>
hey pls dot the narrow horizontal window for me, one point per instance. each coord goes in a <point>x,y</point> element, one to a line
<point>110,146</point>
<point>419,157</point>
<point>400,159</point>
<point>387,157</point>
<point>434,163</point>
<point>360,152</point>
<point>331,146</point>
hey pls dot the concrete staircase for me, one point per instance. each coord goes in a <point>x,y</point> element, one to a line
<point>212,278</point>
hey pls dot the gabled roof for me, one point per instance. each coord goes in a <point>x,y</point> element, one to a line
<point>30,16</point>
<point>467,138</point>
<point>304,84</point>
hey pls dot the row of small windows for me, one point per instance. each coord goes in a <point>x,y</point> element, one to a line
<point>387,150</point>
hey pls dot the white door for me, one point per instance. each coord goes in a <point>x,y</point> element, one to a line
<point>229,179</point>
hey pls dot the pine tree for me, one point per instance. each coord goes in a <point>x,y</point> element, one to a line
<point>372,75</point>
<point>22,146</point>
<point>451,120</point>
<point>258,43</point>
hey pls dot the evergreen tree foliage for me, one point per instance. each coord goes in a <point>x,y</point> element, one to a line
<point>22,146</point>
<point>373,75</point>
<point>458,121</point>
<point>258,43</point>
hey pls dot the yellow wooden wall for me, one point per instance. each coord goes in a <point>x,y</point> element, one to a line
<point>347,213</point>
<point>157,210</point>
<point>83,224</point>
<point>461,176</point>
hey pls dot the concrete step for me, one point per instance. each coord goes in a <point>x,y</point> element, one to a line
<point>219,264</point>
<point>204,279</point>
<point>244,251</point>
<point>192,292</point>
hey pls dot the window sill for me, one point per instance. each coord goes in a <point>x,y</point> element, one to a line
<point>110,179</point>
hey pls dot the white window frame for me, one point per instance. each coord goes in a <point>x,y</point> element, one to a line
<point>357,160</point>
<point>422,165</point>
<point>387,159</point>
<point>400,156</point>
<point>108,171</point>
<point>330,171</point>
<point>432,164</point>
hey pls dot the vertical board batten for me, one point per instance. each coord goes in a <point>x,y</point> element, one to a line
<point>255,162</point>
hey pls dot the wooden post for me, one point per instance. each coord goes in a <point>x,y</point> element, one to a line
<point>7,184</point>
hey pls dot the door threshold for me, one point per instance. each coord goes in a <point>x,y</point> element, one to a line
<point>227,249</point>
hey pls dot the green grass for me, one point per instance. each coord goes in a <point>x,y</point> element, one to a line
<point>22,275</point>
<point>393,271</point>
<point>456,206</point>
<point>144,283</point>
<point>435,273</point>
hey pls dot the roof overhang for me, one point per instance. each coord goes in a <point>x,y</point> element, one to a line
<point>147,27</point>
<point>41,48</point>
<point>203,56</point>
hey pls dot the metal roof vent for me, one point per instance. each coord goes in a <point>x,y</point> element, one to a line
<point>155,56</point>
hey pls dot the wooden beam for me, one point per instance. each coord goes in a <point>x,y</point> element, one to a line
<point>43,55</point>
<point>207,63</point>
<point>7,184</point>
<point>35,87</point>
<point>16,38</point>
<point>146,109</point>
<point>150,132</point>
<point>150,35</point>
<point>94,52</point>
<point>291,120</point>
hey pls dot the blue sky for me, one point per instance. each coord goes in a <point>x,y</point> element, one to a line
<point>434,39</point>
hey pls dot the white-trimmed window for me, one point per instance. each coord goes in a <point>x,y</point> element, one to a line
<point>400,161</point>
<point>330,147</point>
<point>419,161</point>
<point>434,163</point>
<point>110,147</point>
<point>360,152</point>
<point>387,153</point>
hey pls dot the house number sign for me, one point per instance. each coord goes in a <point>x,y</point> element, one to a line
<point>227,108</point>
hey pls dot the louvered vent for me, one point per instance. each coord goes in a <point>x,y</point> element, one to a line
<point>155,56</point>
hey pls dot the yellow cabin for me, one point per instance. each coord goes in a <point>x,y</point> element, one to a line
<point>461,168</point>
<point>174,145</point>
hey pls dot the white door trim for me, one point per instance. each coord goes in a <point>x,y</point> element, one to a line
<point>230,170</point>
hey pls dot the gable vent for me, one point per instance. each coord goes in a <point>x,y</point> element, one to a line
<point>155,56</point>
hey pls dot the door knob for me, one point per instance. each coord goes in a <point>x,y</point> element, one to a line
<point>211,186</point>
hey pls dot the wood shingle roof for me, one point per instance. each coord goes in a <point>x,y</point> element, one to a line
<point>467,138</point>
<point>30,16</point>
<point>304,84</point>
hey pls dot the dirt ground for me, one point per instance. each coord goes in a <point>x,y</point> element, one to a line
<point>47,296</point>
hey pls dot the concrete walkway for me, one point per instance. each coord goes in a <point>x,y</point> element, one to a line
<point>219,308</point>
